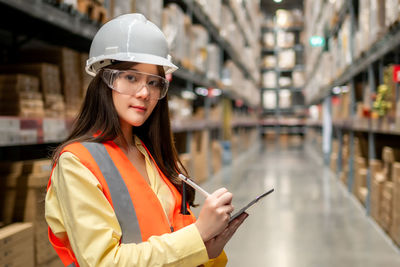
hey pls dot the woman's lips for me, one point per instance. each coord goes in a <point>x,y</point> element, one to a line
<point>139,108</point>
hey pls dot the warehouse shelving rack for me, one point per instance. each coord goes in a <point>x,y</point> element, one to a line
<point>281,126</point>
<point>368,67</point>
<point>66,27</point>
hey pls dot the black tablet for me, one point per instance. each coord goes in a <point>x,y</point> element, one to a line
<point>234,216</point>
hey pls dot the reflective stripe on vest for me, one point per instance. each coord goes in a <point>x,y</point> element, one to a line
<point>124,210</point>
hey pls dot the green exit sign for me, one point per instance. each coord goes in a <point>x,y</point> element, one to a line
<point>317,41</point>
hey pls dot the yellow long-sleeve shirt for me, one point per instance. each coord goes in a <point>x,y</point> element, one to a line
<point>79,214</point>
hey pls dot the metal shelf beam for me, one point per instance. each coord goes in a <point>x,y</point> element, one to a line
<point>37,9</point>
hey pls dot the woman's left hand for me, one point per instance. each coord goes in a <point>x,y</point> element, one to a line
<point>216,245</point>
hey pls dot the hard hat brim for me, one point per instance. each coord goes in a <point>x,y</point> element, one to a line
<point>94,64</point>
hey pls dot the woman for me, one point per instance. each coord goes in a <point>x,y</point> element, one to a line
<point>114,197</point>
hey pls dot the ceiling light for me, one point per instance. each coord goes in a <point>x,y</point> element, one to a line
<point>277,1</point>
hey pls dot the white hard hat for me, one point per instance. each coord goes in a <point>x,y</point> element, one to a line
<point>132,38</point>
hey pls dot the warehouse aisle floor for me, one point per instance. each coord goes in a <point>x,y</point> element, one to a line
<point>310,220</point>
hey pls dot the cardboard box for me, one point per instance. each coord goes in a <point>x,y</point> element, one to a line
<point>16,245</point>
<point>48,75</point>
<point>199,153</point>
<point>70,64</point>
<point>376,195</point>
<point>24,201</point>
<point>362,193</point>
<point>359,168</point>
<point>216,156</point>
<point>395,226</point>
<point>386,206</point>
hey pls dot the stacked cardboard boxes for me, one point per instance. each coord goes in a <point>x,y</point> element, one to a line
<point>49,84</point>
<point>395,226</point>
<point>382,188</point>
<point>360,176</point>
<point>69,62</point>
<point>24,193</point>
<point>376,187</point>
<point>20,96</point>
<point>345,159</point>
<point>16,245</point>
<point>334,155</point>
<point>386,206</point>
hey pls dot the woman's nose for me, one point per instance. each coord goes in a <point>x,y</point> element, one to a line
<point>143,91</point>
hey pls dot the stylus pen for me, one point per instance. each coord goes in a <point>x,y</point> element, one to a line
<point>193,184</point>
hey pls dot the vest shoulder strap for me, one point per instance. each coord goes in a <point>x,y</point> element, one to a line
<point>123,205</point>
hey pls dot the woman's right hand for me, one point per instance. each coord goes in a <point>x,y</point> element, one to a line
<point>215,214</point>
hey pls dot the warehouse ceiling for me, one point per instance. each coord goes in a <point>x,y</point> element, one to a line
<point>270,6</point>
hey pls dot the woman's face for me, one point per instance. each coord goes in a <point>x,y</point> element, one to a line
<point>135,109</point>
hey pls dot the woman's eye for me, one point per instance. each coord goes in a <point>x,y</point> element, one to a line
<point>130,77</point>
<point>154,83</point>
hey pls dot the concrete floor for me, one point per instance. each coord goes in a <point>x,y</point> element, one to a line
<point>310,220</point>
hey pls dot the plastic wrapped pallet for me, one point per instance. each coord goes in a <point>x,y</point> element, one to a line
<point>269,61</point>
<point>213,62</point>
<point>173,26</point>
<point>364,24</point>
<point>285,82</point>
<point>150,9</point>
<point>227,23</point>
<point>198,45</point>
<point>269,40</point>
<point>120,7</point>
<point>392,12</point>
<point>269,79</point>
<point>285,98</point>
<point>285,39</point>
<point>180,109</point>
<point>213,10</point>
<point>284,18</point>
<point>269,99</point>
<point>154,10</point>
<point>346,35</point>
<point>377,20</point>
<point>298,79</point>
<point>232,75</point>
<point>252,65</point>
<point>287,59</point>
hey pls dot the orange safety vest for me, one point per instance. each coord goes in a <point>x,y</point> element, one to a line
<point>142,216</point>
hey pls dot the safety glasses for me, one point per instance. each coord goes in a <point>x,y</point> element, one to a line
<point>129,82</point>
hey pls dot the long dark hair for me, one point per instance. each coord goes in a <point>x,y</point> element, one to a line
<point>98,115</point>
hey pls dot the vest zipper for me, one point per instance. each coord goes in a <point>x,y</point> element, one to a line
<point>169,223</point>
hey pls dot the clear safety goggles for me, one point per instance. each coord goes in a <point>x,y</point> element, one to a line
<point>129,82</point>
